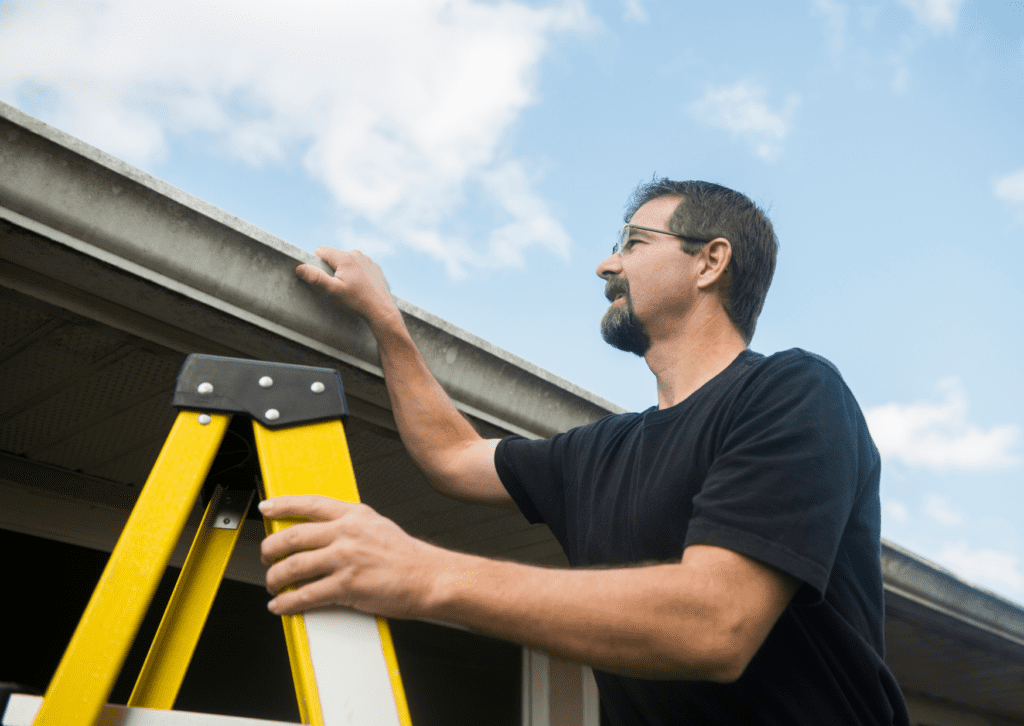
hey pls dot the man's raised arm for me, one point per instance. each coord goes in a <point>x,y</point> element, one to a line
<point>447,449</point>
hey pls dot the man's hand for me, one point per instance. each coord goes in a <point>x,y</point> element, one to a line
<point>448,450</point>
<point>358,283</point>
<point>345,554</point>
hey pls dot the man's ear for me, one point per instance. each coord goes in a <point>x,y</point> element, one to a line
<point>715,257</point>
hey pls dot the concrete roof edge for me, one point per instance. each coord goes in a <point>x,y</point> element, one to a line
<point>106,208</point>
<point>911,576</point>
<point>123,168</point>
<point>501,353</point>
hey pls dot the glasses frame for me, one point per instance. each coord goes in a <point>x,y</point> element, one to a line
<point>619,247</point>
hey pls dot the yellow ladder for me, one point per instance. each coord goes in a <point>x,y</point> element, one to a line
<point>296,414</point>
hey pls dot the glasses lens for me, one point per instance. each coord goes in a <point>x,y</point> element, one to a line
<point>623,238</point>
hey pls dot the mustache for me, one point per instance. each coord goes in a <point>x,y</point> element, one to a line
<point>616,286</point>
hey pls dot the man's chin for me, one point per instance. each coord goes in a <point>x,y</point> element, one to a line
<point>620,329</point>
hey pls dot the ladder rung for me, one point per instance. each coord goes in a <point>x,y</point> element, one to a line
<point>22,708</point>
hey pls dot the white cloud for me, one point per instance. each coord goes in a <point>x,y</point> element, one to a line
<point>937,435</point>
<point>398,108</point>
<point>896,511</point>
<point>938,15</point>
<point>900,79</point>
<point>741,109</point>
<point>991,568</point>
<point>1009,189</point>
<point>634,11</point>
<point>509,186</point>
<point>835,18</point>
<point>938,509</point>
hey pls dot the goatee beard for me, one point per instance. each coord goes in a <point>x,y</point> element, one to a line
<point>620,327</point>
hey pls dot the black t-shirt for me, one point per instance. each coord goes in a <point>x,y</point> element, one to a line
<point>772,459</point>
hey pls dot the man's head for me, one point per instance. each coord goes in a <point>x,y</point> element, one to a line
<point>705,211</point>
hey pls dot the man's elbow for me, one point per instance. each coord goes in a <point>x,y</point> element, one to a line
<point>725,667</point>
<point>736,649</point>
<point>721,667</point>
<point>730,671</point>
<point>444,469</point>
<point>719,658</point>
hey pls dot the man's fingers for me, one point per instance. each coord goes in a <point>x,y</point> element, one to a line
<point>299,537</point>
<point>305,535</point>
<point>297,568</point>
<point>317,277</point>
<point>310,506</point>
<point>319,593</point>
<point>310,273</point>
<point>334,258</point>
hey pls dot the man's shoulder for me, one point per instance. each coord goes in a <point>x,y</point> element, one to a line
<point>795,362</point>
<point>610,424</point>
<point>780,380</point>
<point>798,358</point>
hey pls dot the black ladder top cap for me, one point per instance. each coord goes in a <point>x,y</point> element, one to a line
<point>275,394</point>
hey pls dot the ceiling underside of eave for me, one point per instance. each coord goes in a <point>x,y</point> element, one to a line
<point>86,402</point>
<point>945,659</point>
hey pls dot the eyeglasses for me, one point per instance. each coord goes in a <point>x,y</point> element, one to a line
<point>624,234</point>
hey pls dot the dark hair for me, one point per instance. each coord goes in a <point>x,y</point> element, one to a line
<point>707,211</point>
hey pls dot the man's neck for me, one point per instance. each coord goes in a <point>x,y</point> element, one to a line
<point>684,362</point>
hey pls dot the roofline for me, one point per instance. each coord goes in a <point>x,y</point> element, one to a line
<point>88,204</point>
<point>916,585</point>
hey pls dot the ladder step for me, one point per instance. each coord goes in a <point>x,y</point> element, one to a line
<point>352,671</point>
<point>22,709</point>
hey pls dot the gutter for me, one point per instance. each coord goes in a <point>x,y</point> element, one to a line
<point>155,251</point>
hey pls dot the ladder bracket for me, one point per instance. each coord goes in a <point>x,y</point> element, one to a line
<point>275,394</point>
<point>233,505</point>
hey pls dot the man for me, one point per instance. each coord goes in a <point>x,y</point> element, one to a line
<point>736,524</point>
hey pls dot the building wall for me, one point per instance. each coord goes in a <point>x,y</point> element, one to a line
<point>926,711</point>
<point>557,692</point>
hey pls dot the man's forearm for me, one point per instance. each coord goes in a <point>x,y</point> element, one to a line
<point>701,618</point>
<point>432,428</point>
<point>647,622</point>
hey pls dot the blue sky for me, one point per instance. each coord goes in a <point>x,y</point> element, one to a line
<point>483,153</point>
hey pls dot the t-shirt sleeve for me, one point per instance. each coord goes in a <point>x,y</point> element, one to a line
<point>784,478</point>
<point>533,475</point>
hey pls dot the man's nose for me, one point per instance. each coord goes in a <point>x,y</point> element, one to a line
<point>610,265</point>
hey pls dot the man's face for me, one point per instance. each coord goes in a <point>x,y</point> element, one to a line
<point>646,283</point>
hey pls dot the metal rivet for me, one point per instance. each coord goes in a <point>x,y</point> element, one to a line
<point>318,387</point>
<point>205,389</point>
<point>266,381</point>
<point>272,415</point>
<point>204,418</point>
<point>227,520</point>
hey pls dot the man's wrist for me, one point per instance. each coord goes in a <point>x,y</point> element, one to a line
<point>458,579</point>
<point>386,323</point>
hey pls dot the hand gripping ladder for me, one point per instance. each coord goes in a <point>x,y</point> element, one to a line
<point>343,663</point>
